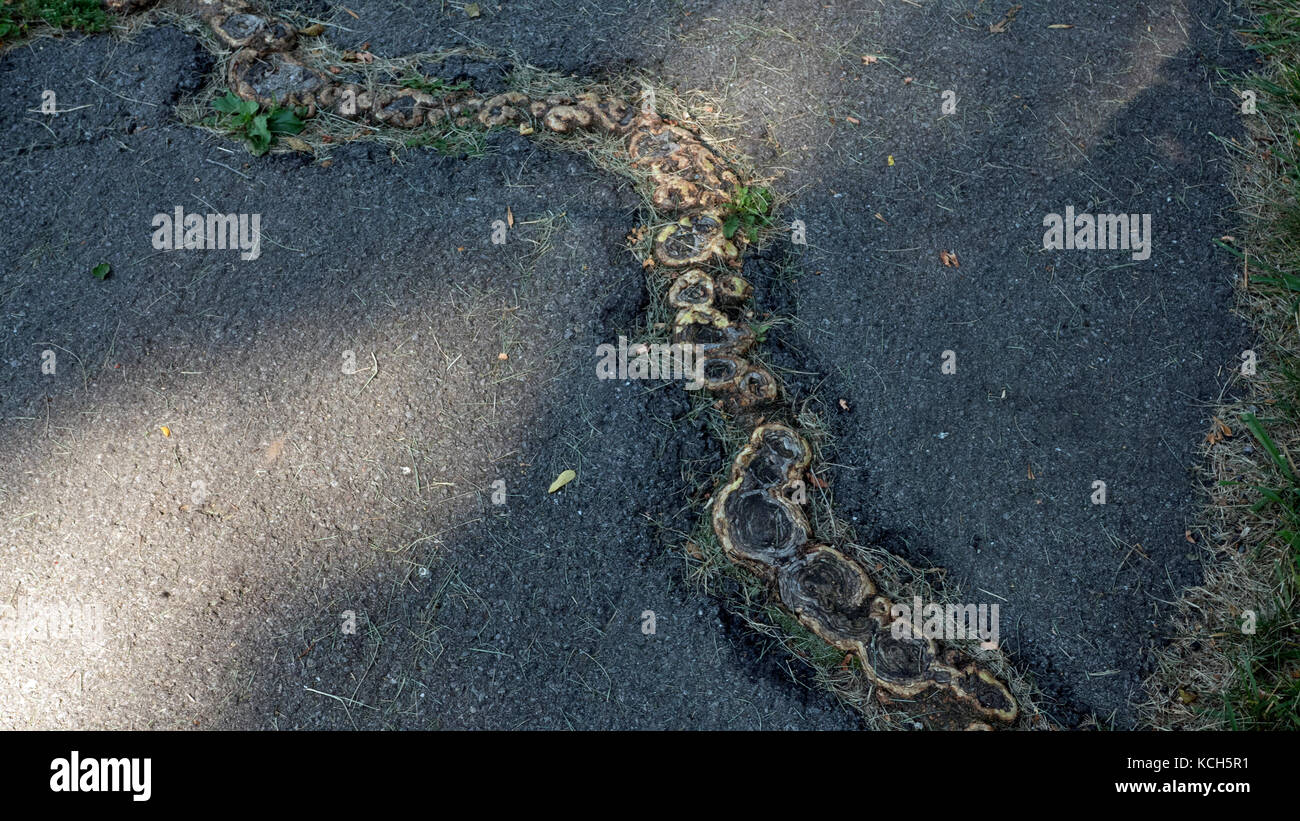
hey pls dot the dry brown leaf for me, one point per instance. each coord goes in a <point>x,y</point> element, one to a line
<point>273,452</point>
<point>1001,26</point>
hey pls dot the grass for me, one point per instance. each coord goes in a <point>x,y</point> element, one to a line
<point>1265,693</point>
<point>1234,659</point>
<point>18,17</point>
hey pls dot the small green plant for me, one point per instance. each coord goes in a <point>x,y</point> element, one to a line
<point>101,271</point>
<point>257,128</point>
<point>750,211</point>
<point>17,16</point>
<point>760,330</point>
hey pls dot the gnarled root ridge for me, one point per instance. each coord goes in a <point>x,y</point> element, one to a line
<point>757,514</point>
<point>760,527</point>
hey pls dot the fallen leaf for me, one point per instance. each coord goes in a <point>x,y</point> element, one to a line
<point>525,129</point>
<point>562,480</point>
<point>854,120</point>
<point>314,30</point>
<point>1186,696</point>
<point>510,217</point>
<point>166,431</point>
<point>297,144</point>
<point>891,159</point>
<point>472,11</point>
<point>870,59</point>
<point>949,259</point>
<point>503,356</point>
<point>1187,534</point>
<point>1030,470</point>
<point>1061,26</point>
<point>844,405</point>
<point>815,481</point>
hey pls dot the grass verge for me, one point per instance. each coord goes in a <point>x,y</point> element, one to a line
<point>1234,660</point>
<point>19,17</point>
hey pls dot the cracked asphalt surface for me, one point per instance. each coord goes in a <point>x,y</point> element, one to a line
<point>288,492</point>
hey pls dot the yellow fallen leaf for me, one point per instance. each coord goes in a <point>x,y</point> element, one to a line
<point>562,480</point>
<point>166,431</point>
<point>891,159</point>
<point>1061,26</point>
